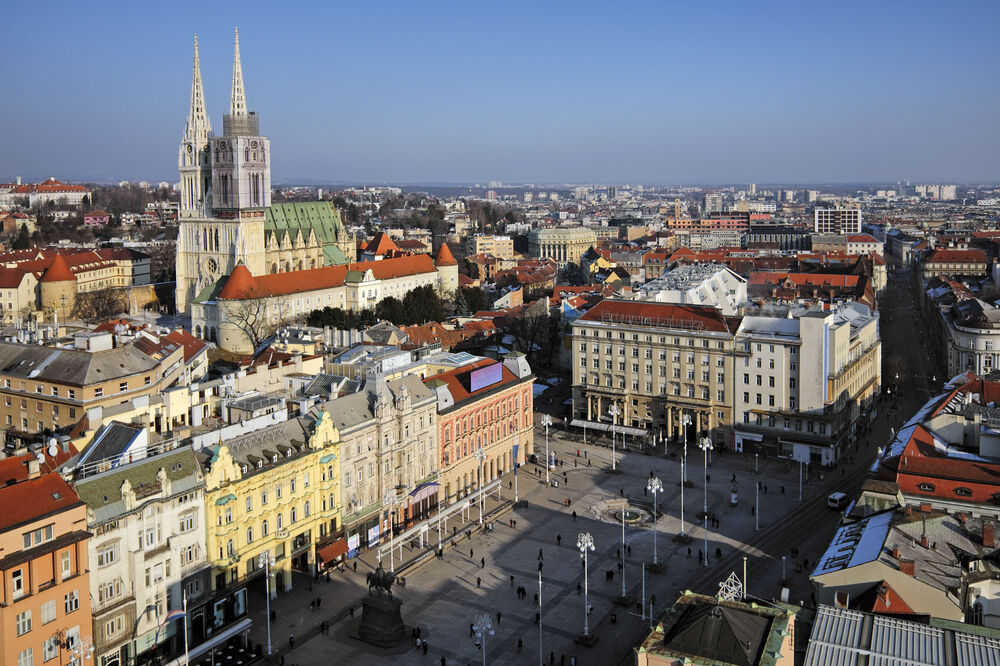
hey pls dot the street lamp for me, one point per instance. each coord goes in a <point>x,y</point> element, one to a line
<point>390,499</point>
<point>685,422</point>
<point>546,422</point>
<point>585,543</point>
<point>480,455</point>
<point>613,411</point>
<point>655,486</point>
<point>265,561</point>
<point>706,446</point>
<point>483,627</point>
<point>81,649</point>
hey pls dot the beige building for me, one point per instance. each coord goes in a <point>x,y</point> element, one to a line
<point>656,362</point>
<point>806,382</point>
<point>501,247</point>
<point>565,245</point>
<point>388,459</point>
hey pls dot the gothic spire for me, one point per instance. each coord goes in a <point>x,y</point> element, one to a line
<point>238,101</point>
<point>198,120</point>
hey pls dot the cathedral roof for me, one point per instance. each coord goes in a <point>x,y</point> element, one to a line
<point>444,257</point>
<point>59,271</point>
<point>320,217</point>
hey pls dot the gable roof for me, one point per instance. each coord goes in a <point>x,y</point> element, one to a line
<point>30,500</point>
<point>660,315</point>
<point>381,245</point>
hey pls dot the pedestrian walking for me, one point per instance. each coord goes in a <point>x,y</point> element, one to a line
<point>512,580</point>
<point>479,582</point>
<point>425,647</point>
<point>498,618</point>
<point>520,645</point>
<point>765,488</point>
<point>700,556</point>
<point>588,462</point>
<point>312,605</point>
<point>628,549</point>
<point>274,615</point>
<point>470,554</point>
<point>718,553</point>
<point>559,539</point>
<point>734,478</point>
<point>574,515</point>
<point>291,641</point>
<point>535,601</point>
<point>355,567</point>
<point>579,589</point>
<point>482,563</point>
<point>689,552</point>
<point>540,554</point>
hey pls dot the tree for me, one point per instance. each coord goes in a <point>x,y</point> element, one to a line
<point>508,280</point>
<point>257,315</point>
<point>95,306</point>
<point>461,305</point>
<point>474,297</point>
<point>391,309</point>
<point>422,305</point>
<point>23,239</point>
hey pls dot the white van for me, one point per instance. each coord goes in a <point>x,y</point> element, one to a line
<point>838,501</point>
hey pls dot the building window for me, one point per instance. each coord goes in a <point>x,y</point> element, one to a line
<point>976,614</point>
<point>26,657</point>
<point>926,487</point>
<point>50,648</point>
<point>48,611</point>
<point>962,491</point>
<point>122,387</point>
<point>23,622</point>
<point>107,555</point>
<point>71,601</point>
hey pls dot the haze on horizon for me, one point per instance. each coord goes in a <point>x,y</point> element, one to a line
<point>518,92</point>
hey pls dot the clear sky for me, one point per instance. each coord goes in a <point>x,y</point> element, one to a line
<point>693,92</point>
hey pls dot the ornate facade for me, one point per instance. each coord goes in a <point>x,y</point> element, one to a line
<point>226,216</point>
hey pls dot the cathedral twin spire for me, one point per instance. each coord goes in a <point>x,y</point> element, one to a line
<point>198,120</point>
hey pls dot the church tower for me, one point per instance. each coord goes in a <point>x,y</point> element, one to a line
<point>194,161</point>
<point>225,191</point>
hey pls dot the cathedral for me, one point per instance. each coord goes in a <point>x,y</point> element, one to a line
<point>226,214</point>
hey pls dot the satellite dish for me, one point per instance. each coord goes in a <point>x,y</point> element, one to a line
<point>40,457</point>
<point>53,447</point>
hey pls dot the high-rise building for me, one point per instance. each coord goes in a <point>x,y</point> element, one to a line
<point>753,189</point>
<point>837,221</point>
<point>712,203</point>
<point>811,195</point>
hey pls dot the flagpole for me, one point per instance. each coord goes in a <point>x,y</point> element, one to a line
<point>187,658</point>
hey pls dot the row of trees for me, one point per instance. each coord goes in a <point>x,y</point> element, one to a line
<point>419,306</point>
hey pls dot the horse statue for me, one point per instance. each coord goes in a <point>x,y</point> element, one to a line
<point>381,580</point>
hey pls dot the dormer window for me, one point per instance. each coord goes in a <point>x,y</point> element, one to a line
<point>963,491</point>
<point>274,458</point>
<point>926,487</point>
<point>260,464</point>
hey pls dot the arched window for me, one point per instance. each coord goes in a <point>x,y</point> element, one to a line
<point>249,535</point>
<point>229,548</point>
<point>280,523</point>
<point>263,528</point>
<point>926,487</point>
<point>216,240</point>
<point>976,614</point>
<point>305,510</point>
<point>274,268</point>
<point>197,331</point>
<point>292,516</point>
<point>963,491</point>
<point>246,153</point>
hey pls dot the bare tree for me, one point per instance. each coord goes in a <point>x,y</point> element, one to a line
<point>257,315</point>
<point>95,306</point>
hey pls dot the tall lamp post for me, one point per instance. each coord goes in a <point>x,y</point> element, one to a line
<point>265,561</point>
<point>685,422</point>
<point>613,411</point>
<point>655,486</point>
<point>546,422</point>
<point>390,499</point>
<point>585,543</point>
<point>706,446</point>
<point>480,455</point>
<point>483,627</point>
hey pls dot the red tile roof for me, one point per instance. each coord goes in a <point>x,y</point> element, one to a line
<point>381,245</point>
<point>458,380</point>
<point>444,257</point>
<point>15,468</point>
<point>191,344</point>
<point>642,313</point>
<point>800,279</point>
<point>58,271</point>
<point>241,283</point>
<point>958,257</point>
<point>31,500</point>
<point>861,238</point>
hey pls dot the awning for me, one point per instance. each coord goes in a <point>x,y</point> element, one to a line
<point>332,551</point>
<point>423,491</point>
<point>605,427</point>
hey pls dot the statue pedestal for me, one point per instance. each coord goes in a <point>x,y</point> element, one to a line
<point>381,622</point>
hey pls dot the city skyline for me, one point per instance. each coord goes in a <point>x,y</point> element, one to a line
<point>436,95</point>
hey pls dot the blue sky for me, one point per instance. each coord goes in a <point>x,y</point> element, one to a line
<point>700,92</point>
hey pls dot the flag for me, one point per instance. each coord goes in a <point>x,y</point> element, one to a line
<point>174,615</point>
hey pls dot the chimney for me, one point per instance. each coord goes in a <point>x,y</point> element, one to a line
<point>895,552</point>
<point>906,567</point>
<point>33,468</point>
<point>989,540</point>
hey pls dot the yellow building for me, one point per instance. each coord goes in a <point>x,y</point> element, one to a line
<point>274,490</point>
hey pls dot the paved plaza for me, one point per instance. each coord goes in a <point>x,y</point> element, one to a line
<point>443,596</point>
